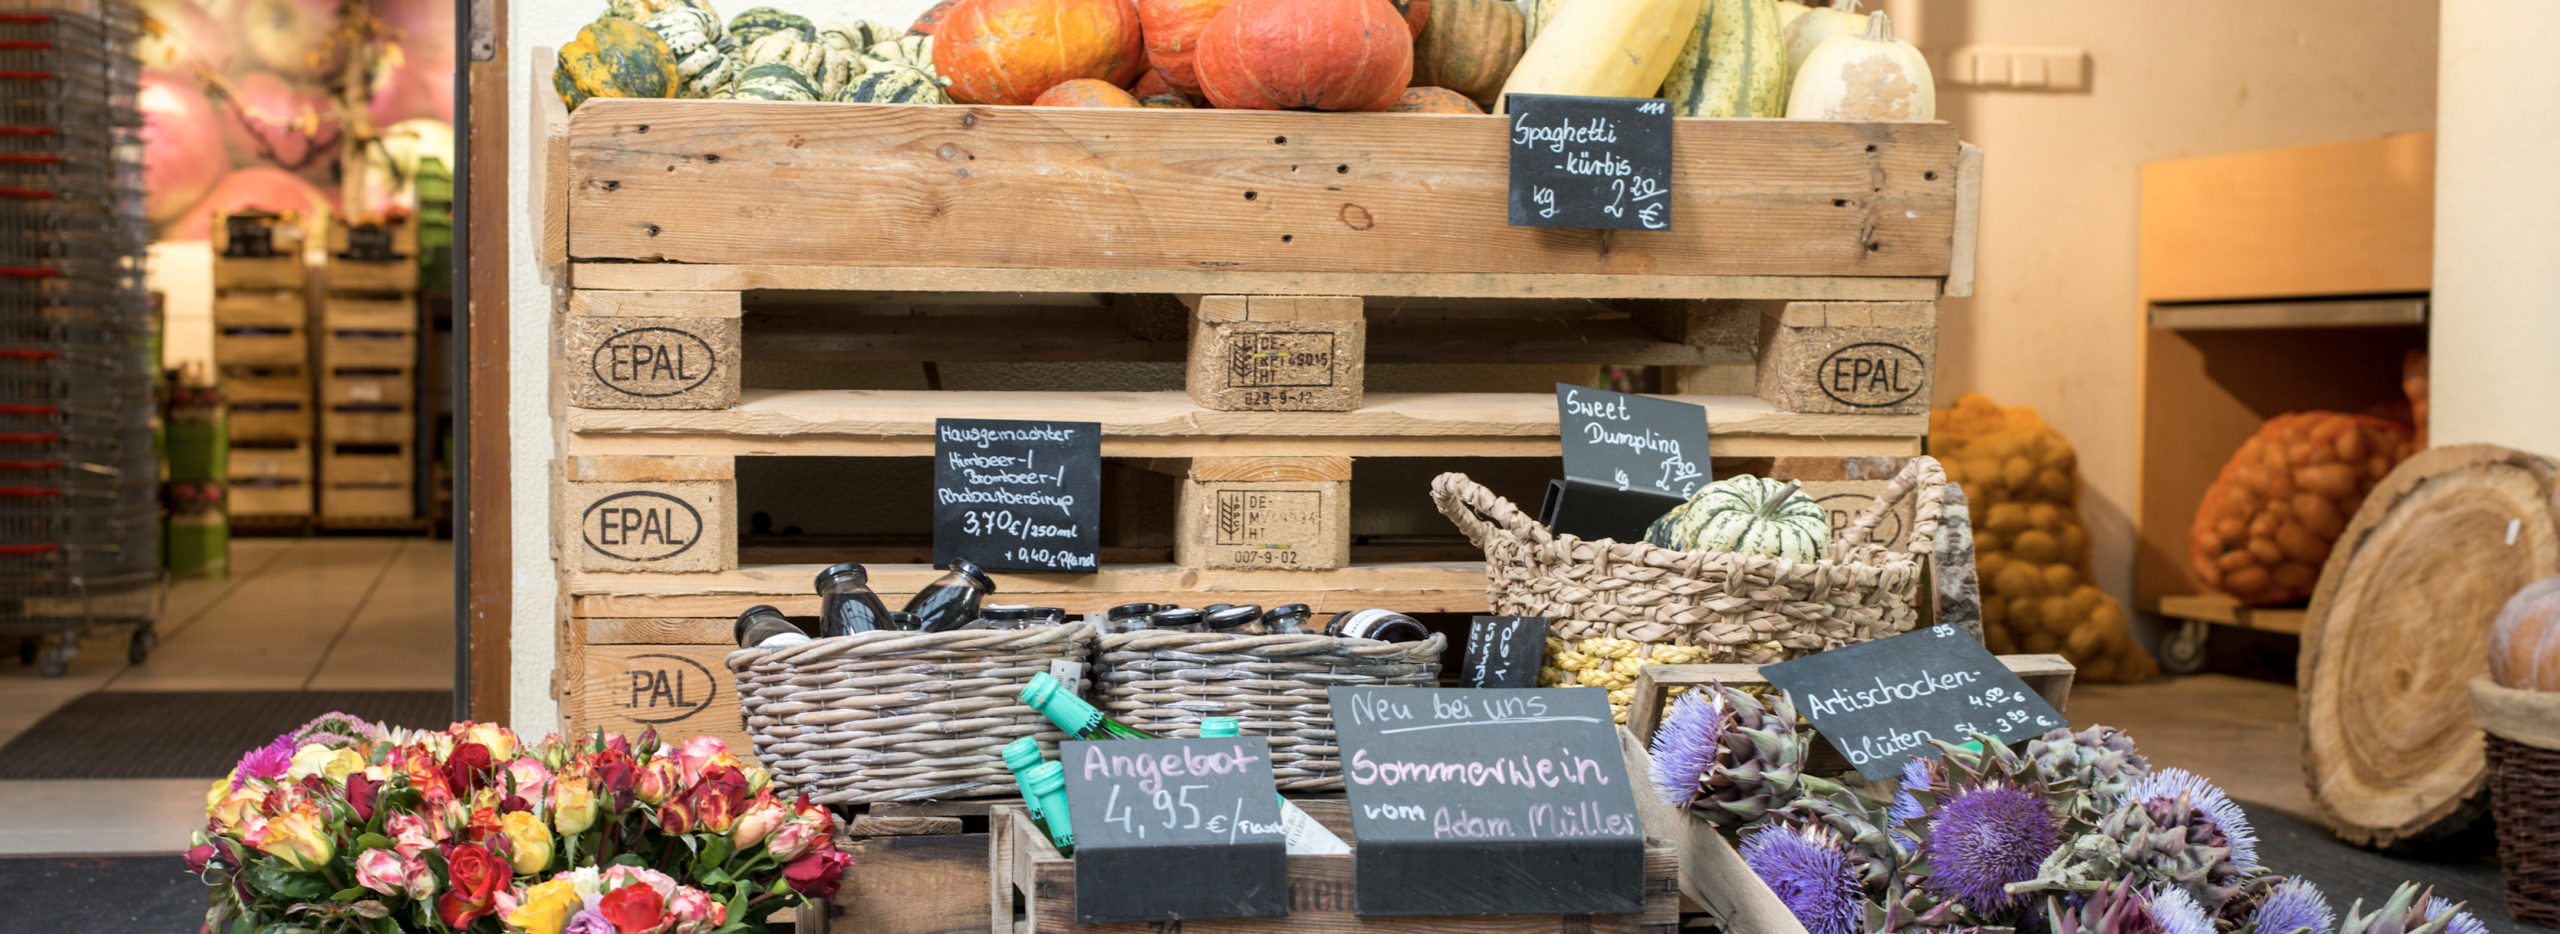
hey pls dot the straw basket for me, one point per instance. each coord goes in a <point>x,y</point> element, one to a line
<point>1615,606</point>
<point>1166,682</point>
<point>2524,794</point>
<point>900,716</point>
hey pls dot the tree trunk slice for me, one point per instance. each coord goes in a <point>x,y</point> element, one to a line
<point>2400,623</point>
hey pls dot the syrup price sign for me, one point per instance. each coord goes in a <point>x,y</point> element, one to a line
<point>1881,702</point>
<point>1590,162</point>
<point>1016,495</point>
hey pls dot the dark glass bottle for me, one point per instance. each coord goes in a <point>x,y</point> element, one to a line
<point>1177,619</point>
<point>902,621</point>
<point>1287,619</point>
<point>1382,625</point>
<point>951,601</point>
<point>1128,616</point>
<point>765,627</point>
<point>1000,616</point>
<point>848,605</point>
<point>1244,620</point>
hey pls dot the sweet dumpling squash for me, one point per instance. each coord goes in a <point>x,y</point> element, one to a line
<point>614,57</point>
<point>1749,515</point>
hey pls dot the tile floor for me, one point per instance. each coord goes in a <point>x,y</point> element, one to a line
<point>296,614</point>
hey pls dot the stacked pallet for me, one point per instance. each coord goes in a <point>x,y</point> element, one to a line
<point>369,377</point>
<point>262,346</point>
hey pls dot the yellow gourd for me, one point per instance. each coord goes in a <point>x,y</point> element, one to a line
<point>1807,32</point>
<point>1604,48</point>
<point>1864,77</point>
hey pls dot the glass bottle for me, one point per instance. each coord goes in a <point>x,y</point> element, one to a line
<point>1081,720</point>
<point>1046,616</point>
<point>1287,619</point>
<point>848,606</point>
<point>1220,727</point>
<point>951,601</point>
<point>1128,616</point>
<point>1243,620</point>
<point>902,621</point>
<point>1176,619</point>
<point>1000,616</point>
<point>1382,625</point>
<point>1023,755</point>
<point>1047,782</point>
<point>764,627</point>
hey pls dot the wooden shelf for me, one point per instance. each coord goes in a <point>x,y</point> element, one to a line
<point>2220,608</point>
<point>873,423</point>
<point>1450,587</point>
<point>745,277</point>
<point>2336,313</point>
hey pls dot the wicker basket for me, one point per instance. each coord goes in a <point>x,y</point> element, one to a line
<point>900,716</point>
<point>2524,794</point>
<point>1166,682</point>
<point>1615,606</point>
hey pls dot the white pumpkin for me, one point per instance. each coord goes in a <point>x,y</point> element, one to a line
<point>1806,32</point>
<point>1749,515</point>
<point>1871,76</point>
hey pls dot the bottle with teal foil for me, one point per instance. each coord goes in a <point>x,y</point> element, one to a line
<point>1220,727</point>
<point>1081,721</point>
<point>1023,755</point>
<point>1046,783</point>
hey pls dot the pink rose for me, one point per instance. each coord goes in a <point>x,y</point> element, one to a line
<point>808,825</point>
<point>659,780</point>
<point>696,912</point>
<point>380,870</point>
<point>697,751</point>
<point>759,821</point>
<point>532,781</point>
<point>412,834</point>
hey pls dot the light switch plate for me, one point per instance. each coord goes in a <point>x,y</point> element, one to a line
<point>2015,68</point>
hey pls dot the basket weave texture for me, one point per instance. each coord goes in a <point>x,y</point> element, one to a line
<point>1166,682</point>
<point>2524,795</point>
<point>900,716</point>
<point>1614,607</point>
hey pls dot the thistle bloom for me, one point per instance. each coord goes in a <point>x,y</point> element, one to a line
<point>1810,872</point>
<point>2176,912</point>
<point>2295,907</point>
<point>2463,923</point>
<point>2160,790</point>
<point>1686,744</point>
<point>1985,838</point>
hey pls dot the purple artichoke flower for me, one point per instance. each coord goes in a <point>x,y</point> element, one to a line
<point>1686,744</point>
<point>2176,912</point>
<point>2462,923</point>
<point>1810,872</point>
<point>2160,790</point>
<point>269,761</point>
<point>2295,907</point>
<point>1984,838</point>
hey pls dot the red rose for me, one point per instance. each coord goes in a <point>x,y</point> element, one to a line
<point>634,908</point>
<point>817,873</point>
<point>464,767</point>
<point>473,878</point>
<point>615,774</point>
<point>361,791</point>
<point>716,800</point>
<point>198,857</point>
<point>484,826</point>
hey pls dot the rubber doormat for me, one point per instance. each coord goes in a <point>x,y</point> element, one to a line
<point>101,895</point>
<point>2462,868</point>
<point>191,734</point>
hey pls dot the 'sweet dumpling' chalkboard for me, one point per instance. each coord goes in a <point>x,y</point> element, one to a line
<point>1017,495</point>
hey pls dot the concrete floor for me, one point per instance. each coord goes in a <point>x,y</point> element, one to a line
<point>295,615</point>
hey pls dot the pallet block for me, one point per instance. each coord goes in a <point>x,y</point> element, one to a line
<point>1849,357</point>
<point>1268,353</point>
<point>629,675</point>
<point>1284,513</point>
<point>652,350</point>
<point>659,514</point>
<point>925,870</point>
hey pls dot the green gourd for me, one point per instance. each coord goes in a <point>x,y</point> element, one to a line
<point>893,84</point>
<point>763,21</point>
<point>1748,515</point>
<point>775,81</point>
<point>1733,63</point>
<point>614,57</point>
<point>694,36</point>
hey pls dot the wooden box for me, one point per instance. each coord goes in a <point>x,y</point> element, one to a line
<point>918,868</point>
<point>367,501</point>
<point>284,460</point>
<point>369,314</point>
<point>267,404</point>
<point>399,274</point>
<point>366,464</point>
<point>1271,353</point>
<point>1280,513</point>
<point>269,497</point>
<point>365,347</point>
<point>1035,893</point>
<point>271,308</point>
<point>264,346</point>
<point>366,385</point>
<point>368,422</point>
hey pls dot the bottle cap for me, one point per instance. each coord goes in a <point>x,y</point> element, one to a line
<point>901,619</point>
<point>1230,617</point>
<point>1289,609</point>
<point>969,569</point>
<point>1219,727</point>
<point>1042,687</point>
<point>1005,612</point>
<point>1126,610</point>
<point>1045,779</point>
<point>1175,619</point>
<point>1022,755</point>
<point>1215,607</point>
<point>1058,613</point>
<point>846,573</point>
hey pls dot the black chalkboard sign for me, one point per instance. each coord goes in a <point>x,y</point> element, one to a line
<point>1628,442</point>
<point>1017,495</point>
<point>1596,162</point>
<point>1881,702</point>
<point>1504,651</point>
<point>1488,802</point>
<point>1175,829</point>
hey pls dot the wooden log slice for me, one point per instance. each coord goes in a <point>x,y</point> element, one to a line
<point>2397,626</point>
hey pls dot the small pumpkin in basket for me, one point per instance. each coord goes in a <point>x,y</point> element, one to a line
<point>2524,644</point>
<point>1748,515</point>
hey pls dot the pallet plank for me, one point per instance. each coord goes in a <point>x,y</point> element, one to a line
<point>846,278</point>
<point>1419,587</point>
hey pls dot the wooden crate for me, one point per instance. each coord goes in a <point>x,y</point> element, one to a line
<point>368,347</point>
<point>923,870</point>
<point>368,422</point>
<point>1034,893</point>
<point>260,308</point>
<point>368,385</point>
<point>269,459</point>
<point>254,499</point>
<point>267,403</point>
<point>367,503</point>
<point>261,346</point>
<point>348,275</point>
<point>283,271</point>
<point>368,313</point>
<point>367,463</point>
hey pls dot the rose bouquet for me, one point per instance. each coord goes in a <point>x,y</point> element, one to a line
<point>346,826</point>
<point>2072,833</point>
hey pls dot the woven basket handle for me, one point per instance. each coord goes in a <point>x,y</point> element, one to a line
<point>1921,476</point>
<point>1486,517</point>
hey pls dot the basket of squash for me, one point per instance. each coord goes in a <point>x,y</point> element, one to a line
<point>1745,571</point>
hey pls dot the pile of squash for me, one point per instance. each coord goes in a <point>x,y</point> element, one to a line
<point>1711,58</point>
<point>2022,482</point>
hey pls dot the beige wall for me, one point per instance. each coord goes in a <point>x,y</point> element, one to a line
<point>2496,323</point>
<point>2055,321</point>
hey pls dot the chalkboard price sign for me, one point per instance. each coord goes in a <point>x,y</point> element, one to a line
<point>1880,703</point>
<point>1175,829</point>
<point>1591,162</point>
<point>1504,651</point>
<point>1017,495</point>
<point>1488,802</point>
<point>1636,443</point>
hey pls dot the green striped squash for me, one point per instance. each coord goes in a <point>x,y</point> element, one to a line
<point>763,21</point>
<point>694,36</point>
<point>775,81</point>
<point>1748,515</point>
<point>911,51</point>
<point>1734,63</point>
<point>893,84</point>
<point>614,57</point>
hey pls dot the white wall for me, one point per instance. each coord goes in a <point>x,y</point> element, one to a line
<point>2496,312</point>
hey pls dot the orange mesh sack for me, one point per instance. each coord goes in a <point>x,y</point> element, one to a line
<point>2267,522</point>
<point>2030,549</point>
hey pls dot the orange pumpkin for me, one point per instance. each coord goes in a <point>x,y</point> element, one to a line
<point>1469,47</point>
<point>1305,55</point>
<point>1150,83</point>
<point>1433,101</point>
<point>931,18</point>
<point>1415,13</point>
<point>1011,51</point>
<point>1173,37</point>
<point>2524,644</point>
<point>1086,92</point>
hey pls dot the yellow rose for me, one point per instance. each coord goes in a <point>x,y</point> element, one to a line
<point>212,796</point>
<point>316,759</point>
<point>298,837</point>
<point>501,744</point>
<point>546,907</point>
<point>532,841</point>
<point>573,803</point>
<point>236,806</point>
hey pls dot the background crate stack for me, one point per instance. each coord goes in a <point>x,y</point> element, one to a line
<point>79,482</point>
<point>369,377</point>
<point>262,346</point>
